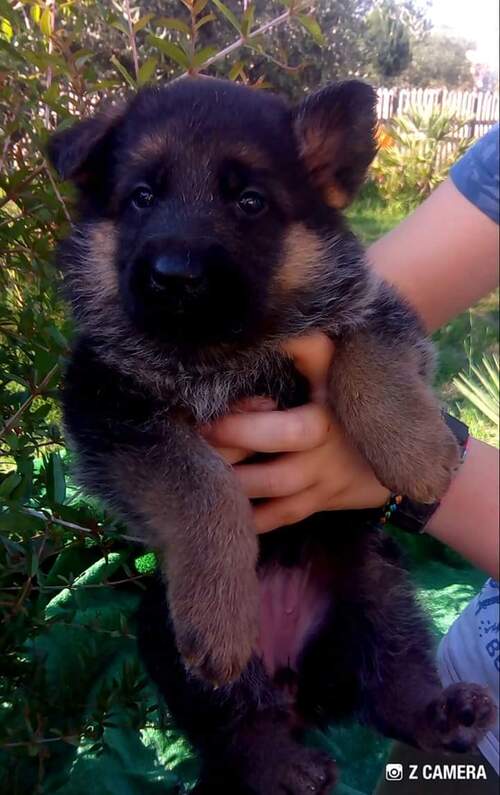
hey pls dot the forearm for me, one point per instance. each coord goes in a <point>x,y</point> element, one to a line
<point>467,519</point>
<point>442,258</point>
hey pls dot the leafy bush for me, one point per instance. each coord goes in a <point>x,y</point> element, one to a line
<point>416,153</point>
<point>75,707</point>
<point>71,689</point>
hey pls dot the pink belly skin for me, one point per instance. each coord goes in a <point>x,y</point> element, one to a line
<point>293,602</point>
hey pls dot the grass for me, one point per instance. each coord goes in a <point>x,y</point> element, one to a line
<point>461,342</point>
<point>371,219</point>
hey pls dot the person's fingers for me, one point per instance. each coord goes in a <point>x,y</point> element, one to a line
<point>232,455</point>
<point>288,474</point>
<point>272,431</point>
<point>255,403</point>
<point>286,510</point>
<point>312,356</point>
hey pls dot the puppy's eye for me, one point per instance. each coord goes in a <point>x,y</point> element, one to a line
<point>251,202</point>
<point>142,198</point>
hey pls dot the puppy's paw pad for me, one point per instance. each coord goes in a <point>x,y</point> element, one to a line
<point>312,772</point>
<point>299,771</point>
<point>216,666</point>
<point>460,717</point>
<point>216,636</point>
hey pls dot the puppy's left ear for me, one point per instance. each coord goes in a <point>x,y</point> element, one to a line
<point>335,129</point>
<point>75,151</point>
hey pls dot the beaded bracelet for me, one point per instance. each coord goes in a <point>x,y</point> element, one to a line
<point>390,508</point>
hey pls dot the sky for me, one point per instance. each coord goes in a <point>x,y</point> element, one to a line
<point>475,20</point>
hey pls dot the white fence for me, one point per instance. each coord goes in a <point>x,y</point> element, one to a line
<point>479,108</point>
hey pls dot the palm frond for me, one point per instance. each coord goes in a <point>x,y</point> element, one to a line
<point>482,390</point>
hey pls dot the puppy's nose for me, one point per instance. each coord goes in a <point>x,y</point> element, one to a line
<point>166,269</point>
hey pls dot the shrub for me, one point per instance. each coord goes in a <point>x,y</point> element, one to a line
<point>70,685</point>
<point>416,153</point>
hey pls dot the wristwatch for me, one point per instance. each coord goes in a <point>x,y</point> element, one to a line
<point>414,516</point>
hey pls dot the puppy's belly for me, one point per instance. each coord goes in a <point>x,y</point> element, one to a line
<point>293,603</point>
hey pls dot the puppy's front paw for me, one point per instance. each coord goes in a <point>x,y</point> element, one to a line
<point>216,624</point>
<point>458,719</point>
<point>420,459</point>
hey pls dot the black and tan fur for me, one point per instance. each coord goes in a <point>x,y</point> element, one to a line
<point>150,365</point>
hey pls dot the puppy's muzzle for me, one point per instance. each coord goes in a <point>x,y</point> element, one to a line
<point>171,267</point>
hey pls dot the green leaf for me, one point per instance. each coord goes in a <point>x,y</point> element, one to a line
<point>142,22</point>
<point>147,70</point>
<point>6,29</point>
<point>248,19</point>
<point>483,393</point>
<point>123,71</point>
<point>313,28</point>
<point>204,20</point>
<point>46,22</point>
<point>11,51</point>
<point>9,484</point>
<point>228,14</point>
<point>22,492</point>
<point>199,6</point>
<point>172,50</point>
<point>35,13</point>
<point>237,70</point>
<point>7,12</point>
<point>96,573</point>
<point>82,57</point>
<point>173,24</point>
<point>52,93</point>
<point>203,55</point>
<point>15,521</point>
<point>55,479</point>
<point>121,26</point>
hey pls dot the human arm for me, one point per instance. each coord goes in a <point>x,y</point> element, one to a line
<point>467,518</point>
<point>319,469</point>
<point>443,258</point>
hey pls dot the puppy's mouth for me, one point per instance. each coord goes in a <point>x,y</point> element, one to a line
<point>208,312</point>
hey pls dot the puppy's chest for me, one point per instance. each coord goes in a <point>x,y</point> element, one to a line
<point>207,395</point>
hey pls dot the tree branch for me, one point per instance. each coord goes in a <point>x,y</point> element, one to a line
<point>25,182</point>
<point>242,40</point>
<point>78,528</point>
<point>58,193</point>
<point>133,43</point>
<point>37,391</point>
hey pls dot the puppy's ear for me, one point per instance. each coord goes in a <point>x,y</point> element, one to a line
<point>335,128</point>
<point>75,152</point>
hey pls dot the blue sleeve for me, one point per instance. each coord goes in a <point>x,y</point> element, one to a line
<point>476,174</point>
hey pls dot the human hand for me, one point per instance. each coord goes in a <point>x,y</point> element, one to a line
<point>317,468</point>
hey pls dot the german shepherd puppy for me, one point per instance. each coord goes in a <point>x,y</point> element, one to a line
<point>210,232</point>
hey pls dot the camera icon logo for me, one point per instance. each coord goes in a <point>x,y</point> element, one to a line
<point>394,772</point>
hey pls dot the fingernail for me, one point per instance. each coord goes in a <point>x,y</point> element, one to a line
<point>257,403</point>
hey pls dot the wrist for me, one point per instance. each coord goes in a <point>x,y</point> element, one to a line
<point>467,518</point>
<point>413,516</point>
